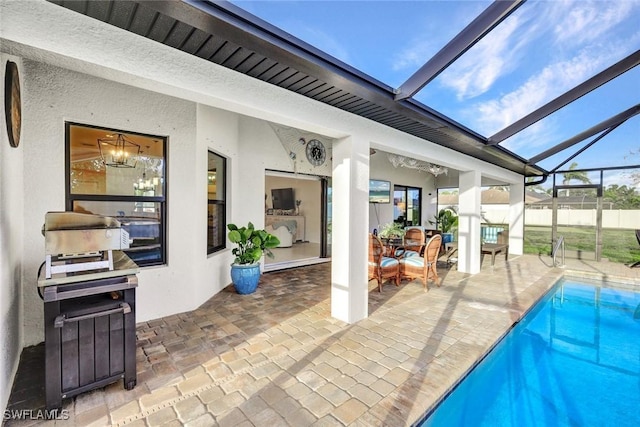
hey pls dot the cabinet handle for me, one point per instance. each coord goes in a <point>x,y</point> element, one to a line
<point>60,320</point>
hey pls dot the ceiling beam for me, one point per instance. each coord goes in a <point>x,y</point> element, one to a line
<point>465,40</point>
<point>611,122</point>
<point>582,89</point>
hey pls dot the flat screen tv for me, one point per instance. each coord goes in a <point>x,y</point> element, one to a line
<point>282,198</point>
<point>379,191</point>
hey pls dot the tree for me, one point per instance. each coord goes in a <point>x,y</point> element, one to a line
<point>623,197</point>
<point>537,188</point>
<point>573,175</point>
<point>635,175</point>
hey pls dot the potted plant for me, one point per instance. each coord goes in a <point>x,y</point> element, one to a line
<point>252,244</point>
<point>446,221</point>
<point>391,230</point>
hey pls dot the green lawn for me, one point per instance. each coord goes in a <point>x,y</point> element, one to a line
<point>617,245</point>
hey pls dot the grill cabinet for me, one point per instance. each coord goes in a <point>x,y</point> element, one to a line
<point>88,288</point>
<point>90,337</point>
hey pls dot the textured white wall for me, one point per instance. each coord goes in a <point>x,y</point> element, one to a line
<point>349,285</point>
<point>12,207</point>
<point>54,95</point>
<point>217,130</point>
<point>259,148</point>
<point>381,168</point>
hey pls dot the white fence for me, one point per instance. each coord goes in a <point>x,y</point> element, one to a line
<point>626,219</point>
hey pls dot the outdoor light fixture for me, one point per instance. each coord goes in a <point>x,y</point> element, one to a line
<point>118,151</point>
<point>420,165</point>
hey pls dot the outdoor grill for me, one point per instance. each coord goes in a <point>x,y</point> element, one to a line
<point>88,287</point>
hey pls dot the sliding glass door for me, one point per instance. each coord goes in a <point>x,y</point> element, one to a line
<point>406,205</point>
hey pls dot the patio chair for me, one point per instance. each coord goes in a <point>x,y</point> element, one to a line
<point>413,245</point>
<point>637,263</point>
<point>417,267</point>
<point>380,266</point>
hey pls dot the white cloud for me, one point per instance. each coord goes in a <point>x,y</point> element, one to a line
<point>414,56</point>
<point>553,80</point>
<point>508,47</point>
<point>534,140</point>
<point>478,69</point>
<point>434,36</point>
<point>585,21</point>
<point>621,178</point>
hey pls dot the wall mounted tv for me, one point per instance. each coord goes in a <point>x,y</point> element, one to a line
<point>282,198</point>
<point>379,191</point>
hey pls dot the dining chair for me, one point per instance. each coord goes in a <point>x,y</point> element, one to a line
<point>423,267</point>
<point>380,266</point>
<point>413,243</point>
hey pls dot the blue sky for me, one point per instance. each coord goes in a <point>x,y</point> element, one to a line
<point>541,51</point>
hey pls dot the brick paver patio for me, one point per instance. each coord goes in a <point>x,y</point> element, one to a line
<point>277,358</point>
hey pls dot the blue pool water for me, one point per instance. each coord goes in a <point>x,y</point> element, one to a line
<point>574,360</point>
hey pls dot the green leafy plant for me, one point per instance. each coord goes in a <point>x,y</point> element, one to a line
<point>251,243</point>
<point>391,230</point>
<point>446,220</point>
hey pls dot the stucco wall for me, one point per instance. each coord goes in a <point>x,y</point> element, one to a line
<point>217,131</point>
<point>11,248</point>
<point>382,169</point>
<point>55,95</point>
<point>261,149</point>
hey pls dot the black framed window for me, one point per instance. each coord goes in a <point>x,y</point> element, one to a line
<point>216,202</point>
<point>407,205</point>
<point>120,174</point>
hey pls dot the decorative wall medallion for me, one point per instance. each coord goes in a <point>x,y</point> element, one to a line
<point>12,103</point>
<point>316,153</point>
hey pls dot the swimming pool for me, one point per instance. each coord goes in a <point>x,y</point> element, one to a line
<point>573,360</point>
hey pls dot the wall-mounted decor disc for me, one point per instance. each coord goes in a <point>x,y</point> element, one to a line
<point>12,103</point>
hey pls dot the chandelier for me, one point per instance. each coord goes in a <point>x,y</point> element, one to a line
<point>118,151</point>
<point>144,184</point>
<point>420,165</point>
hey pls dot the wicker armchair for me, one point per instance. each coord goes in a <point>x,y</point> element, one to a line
<point>380,266</point>
<point>416,267</point>
<point>414,239</point>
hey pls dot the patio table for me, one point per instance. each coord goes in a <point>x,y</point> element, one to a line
<point>451,249</point>
<point>391,245</point>
<point>493,249</point>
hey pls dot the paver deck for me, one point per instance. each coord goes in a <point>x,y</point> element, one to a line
<point>277,358</point>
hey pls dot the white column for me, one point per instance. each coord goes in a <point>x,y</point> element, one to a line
<point>349,232</point>
<point>516,218</point>
<point>469,222</point>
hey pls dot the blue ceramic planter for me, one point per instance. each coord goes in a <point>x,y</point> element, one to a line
<point>245,278</point>
<point>447,237</point>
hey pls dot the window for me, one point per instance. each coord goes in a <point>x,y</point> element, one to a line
<point>407,202</point>
<point>216,199</point>
<point>120,174</point>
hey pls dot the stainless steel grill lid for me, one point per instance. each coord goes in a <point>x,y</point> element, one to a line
<point>73,241</point>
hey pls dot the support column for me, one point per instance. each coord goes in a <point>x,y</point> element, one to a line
<point>469,222</point>
<point>349,230</point>
<point>516,218</point>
